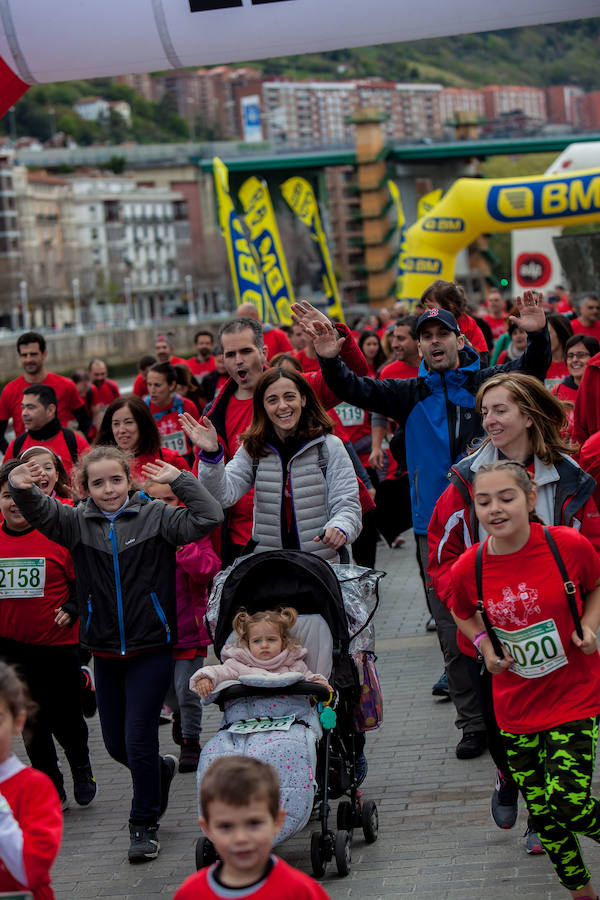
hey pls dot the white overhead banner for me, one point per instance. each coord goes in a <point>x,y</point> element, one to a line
<point>62,40</point>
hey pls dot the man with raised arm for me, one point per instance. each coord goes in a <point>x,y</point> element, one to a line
<point>437,412</point>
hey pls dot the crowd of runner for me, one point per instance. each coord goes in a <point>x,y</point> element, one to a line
<point>477,429</point>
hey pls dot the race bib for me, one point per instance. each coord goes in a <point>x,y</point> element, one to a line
<point>350,415</point>
<point>174,441</point>
<point>251,726</point>
<point>22,577</point>
<point>536,650</point>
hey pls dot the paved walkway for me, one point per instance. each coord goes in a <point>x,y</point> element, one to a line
<point>436,839</point>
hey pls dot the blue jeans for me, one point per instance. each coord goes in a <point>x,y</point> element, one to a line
<point>186,702</point>
<point>130,694</point>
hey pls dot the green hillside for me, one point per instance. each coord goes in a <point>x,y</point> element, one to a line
<point>565,53</point>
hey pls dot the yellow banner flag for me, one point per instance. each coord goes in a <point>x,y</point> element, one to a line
<point>245,275</point>
<point>300,196</point>
<point>264,235</point>
<point>401,220</point>
<point>428,201</point>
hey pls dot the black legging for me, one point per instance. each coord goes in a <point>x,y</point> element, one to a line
<point>482,685</point>
<point>52,674</point>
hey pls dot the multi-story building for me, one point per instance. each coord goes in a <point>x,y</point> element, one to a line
<point>140,82</point>
<point>459,100</point>
<point>504,98</point>
<point>589,111</point>
<point>10,253</point>
<point>562,101</point>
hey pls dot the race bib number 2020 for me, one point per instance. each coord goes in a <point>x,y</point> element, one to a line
<point>22,577</point>
<point>536,650</point>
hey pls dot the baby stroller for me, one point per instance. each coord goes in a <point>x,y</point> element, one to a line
<point>325,745</point>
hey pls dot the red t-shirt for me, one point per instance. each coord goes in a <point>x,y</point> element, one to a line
<point>201,368</point>
<point>107,391</point>
<point>172,435</point>
<point>593,330</point>
<point>471,330</point>
<point>497,326</point>
<point>308,363</point>
<point>238,419</point>
<point>521,591</point>
<point>276,341</point>
<point>57,443</point>
<point>35,579</point>
<point>398,369</point>
<point>35,805</point>
<point>282,883</point>
<point>66,394</point>
<point>555,374</point>
<point>169,456</point>
<point>140,388</point>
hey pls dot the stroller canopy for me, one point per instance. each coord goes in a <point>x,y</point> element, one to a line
<point>283,578</point>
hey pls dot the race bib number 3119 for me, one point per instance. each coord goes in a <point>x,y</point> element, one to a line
<point>22,577</point>
<point>536,650</point>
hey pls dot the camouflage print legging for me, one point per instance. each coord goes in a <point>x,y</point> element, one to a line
<point>554,771</point>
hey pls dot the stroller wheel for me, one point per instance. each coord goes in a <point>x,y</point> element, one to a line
<point>317,855</point>
<point>343,853</point>
<point>205,853</point>
<point>370,821</point>
<point>344,816</point>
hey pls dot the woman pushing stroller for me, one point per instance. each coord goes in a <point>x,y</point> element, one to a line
<point>305,489</point>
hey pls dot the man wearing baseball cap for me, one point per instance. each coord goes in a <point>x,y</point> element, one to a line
<point>437,411</point>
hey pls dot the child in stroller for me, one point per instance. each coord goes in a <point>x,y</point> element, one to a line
<point>264,646</point>
<point>279,716</point>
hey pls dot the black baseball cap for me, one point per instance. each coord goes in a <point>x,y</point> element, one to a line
<point>442,316</point>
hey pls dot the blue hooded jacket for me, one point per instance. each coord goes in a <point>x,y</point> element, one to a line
<point>437,410</point>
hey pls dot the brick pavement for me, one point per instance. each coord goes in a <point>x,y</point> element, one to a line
<point>436,836</point>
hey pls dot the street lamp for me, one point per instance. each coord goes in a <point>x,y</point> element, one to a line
<point>24,309</point>
<point>191,301</point>
<point>77,306</point>
<point>128,305</point>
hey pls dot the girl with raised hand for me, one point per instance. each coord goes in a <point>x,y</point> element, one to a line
<point>123,546</point>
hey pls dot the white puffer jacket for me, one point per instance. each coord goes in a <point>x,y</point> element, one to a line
<point>319,500</point>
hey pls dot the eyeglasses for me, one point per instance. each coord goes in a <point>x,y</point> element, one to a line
<point>573,356</point>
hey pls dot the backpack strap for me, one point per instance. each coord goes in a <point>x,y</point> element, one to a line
<point>71,442</point>
<point>479,580</point>
<point>18,444</point>
<point>570,589</point>
<point>322,459</point>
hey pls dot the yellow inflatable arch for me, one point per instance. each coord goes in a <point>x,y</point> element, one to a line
<point>476,206</point>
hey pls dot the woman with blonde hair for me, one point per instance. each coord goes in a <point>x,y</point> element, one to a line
<point>524,423</point>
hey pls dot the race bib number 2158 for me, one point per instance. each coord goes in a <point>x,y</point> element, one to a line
<point>22,577</point>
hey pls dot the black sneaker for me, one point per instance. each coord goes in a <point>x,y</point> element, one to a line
<point>189,755</point>
<point>176,729</point>
<point>505,802</point>
<point>84,785</point>
<point>168,768</point>
<point>533,845</point>
<point>88,692</point>
<point>440,688</point>
<point>472,744</point>
<point>143,843</point>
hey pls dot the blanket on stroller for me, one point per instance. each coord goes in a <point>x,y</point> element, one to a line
<point>291,747</point>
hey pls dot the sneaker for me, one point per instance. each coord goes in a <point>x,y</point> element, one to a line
<point>471,745</point>
<point>176,729</point>
<point>533,844</point>
<point>505,802</point>
<point>360,768</point>
<point>440,688</point>
<point>166,715</point>
<point>88,693</point>
<point>189,755</point>
<point>84,785</point>
<point>431,626</point>
<point>143,843</point>
<point>168,768</point>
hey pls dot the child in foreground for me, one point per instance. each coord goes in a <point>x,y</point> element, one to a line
<point>264,642</point>
<point>240,800</point>
<point>30,813</point>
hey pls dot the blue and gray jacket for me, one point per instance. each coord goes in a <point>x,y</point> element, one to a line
<point>437,411</point>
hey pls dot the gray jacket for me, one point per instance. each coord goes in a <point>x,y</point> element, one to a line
<point>322,495</point>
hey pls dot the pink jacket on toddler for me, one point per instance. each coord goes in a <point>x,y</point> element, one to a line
<point>237,660</point>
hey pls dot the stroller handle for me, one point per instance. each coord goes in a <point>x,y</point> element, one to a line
<point>343,552</point>
<point>300,688</point>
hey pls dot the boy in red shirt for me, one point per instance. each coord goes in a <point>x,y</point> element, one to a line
<point>241,815</point>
